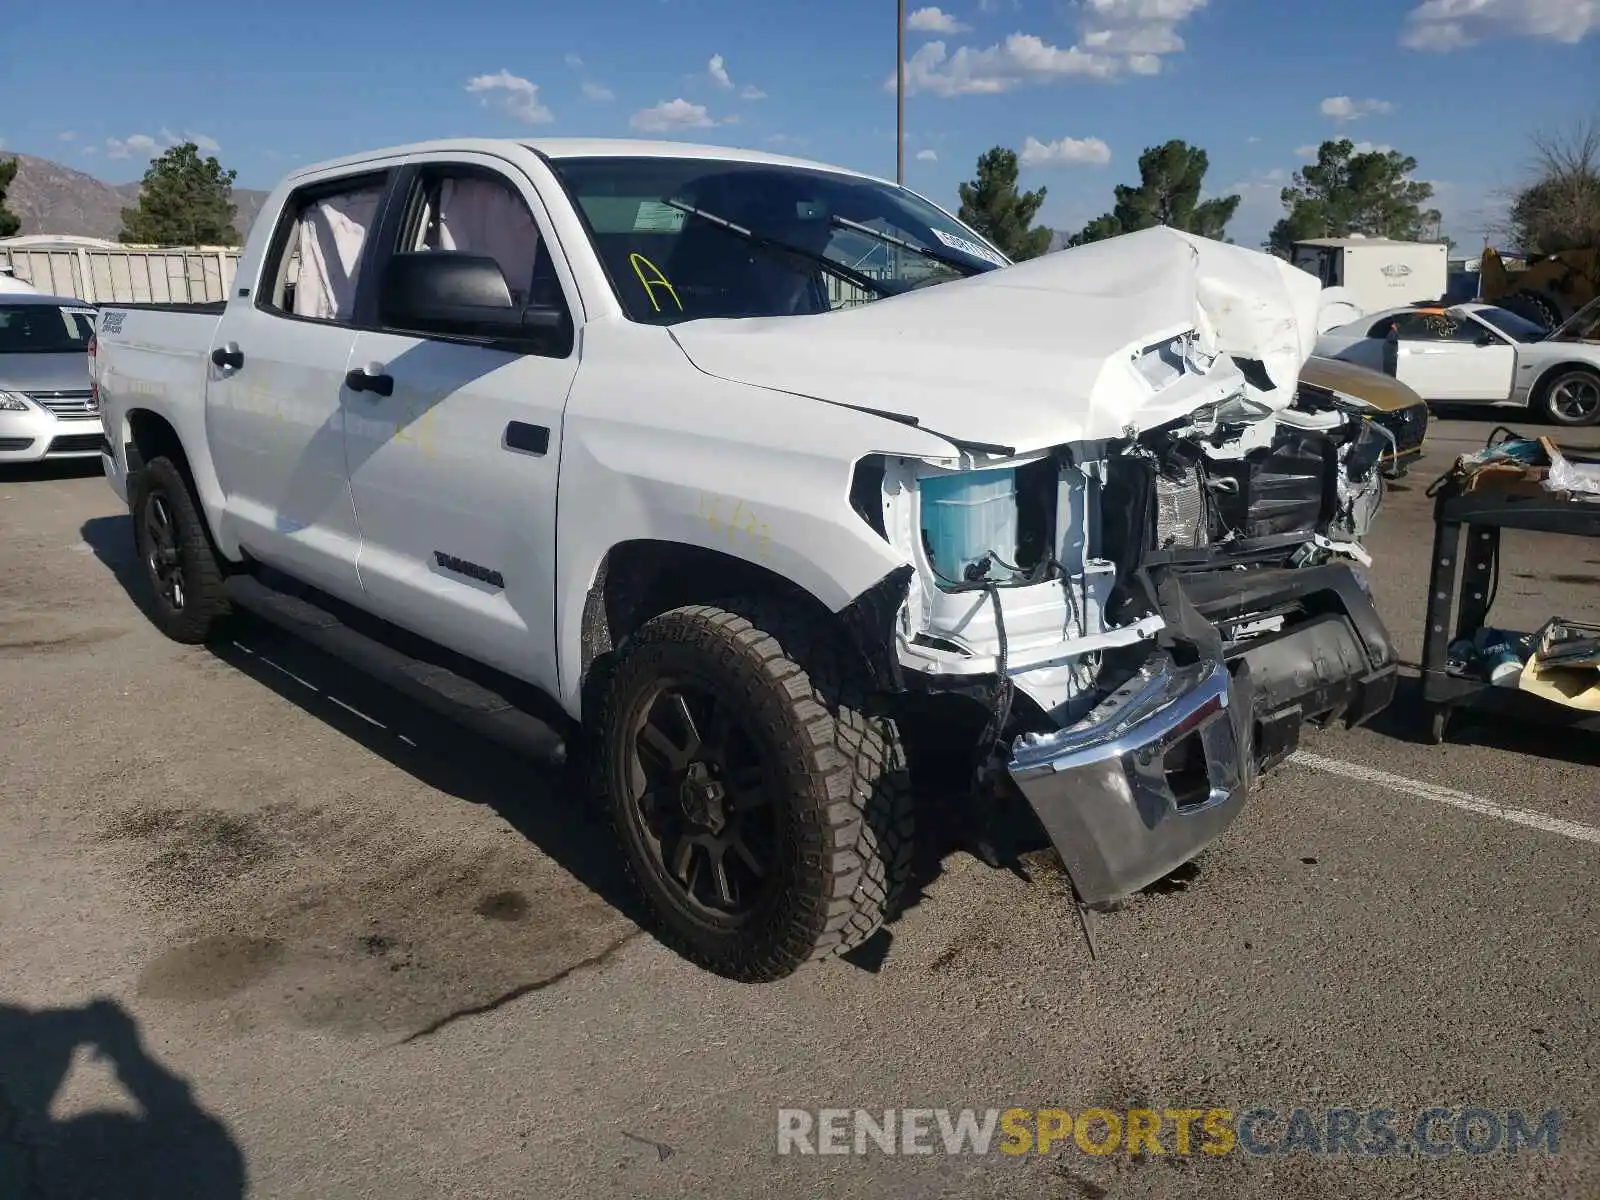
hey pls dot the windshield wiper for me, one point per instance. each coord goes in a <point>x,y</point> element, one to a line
<point>759,239</point>
<point>966,269</point>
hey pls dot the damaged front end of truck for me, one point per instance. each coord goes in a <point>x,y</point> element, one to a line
<point>1129,628</point>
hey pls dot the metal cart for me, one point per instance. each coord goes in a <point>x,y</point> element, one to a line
<point>1467,529</point>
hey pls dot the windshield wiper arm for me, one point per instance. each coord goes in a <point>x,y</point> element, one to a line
<point>760,239</point>
<point>966,269</point>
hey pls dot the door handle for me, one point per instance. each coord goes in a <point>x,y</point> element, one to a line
<point>370,378</point>
<point>228,355</point>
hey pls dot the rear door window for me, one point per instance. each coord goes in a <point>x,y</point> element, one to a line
<point>315,261</point>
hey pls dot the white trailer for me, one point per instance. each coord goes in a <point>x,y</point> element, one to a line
<point>1376,272</point>
<point>107,273</point>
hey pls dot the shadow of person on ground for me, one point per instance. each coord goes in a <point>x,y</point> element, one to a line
<point>172,1147</point>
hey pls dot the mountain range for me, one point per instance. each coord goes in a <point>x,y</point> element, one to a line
<point>51,198</point>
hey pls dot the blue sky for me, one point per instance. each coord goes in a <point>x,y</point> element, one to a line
<point>1080,86</point>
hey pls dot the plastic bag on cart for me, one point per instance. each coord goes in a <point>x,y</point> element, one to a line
<point>1580,479</point>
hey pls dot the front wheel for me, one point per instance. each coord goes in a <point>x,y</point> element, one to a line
<point>765,818</point>
<point>1572,397</point>
<point>182,569</point>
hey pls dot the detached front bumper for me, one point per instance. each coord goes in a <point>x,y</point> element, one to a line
<point>1155,773</point>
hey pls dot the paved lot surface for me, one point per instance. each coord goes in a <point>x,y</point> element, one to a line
<point>265,929</point>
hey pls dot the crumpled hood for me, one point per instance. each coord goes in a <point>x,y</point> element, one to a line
<point>1042,352</point>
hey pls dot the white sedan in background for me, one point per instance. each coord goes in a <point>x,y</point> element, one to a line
<point>1480,354</point>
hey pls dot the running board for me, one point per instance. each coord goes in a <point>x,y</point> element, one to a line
<point>463,700</point>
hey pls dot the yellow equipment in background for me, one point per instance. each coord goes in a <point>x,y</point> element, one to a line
<point>1548,290</point>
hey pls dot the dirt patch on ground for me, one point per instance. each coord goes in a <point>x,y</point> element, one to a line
<point>195,853</point>
<point>353,929</point>
<point>49,635</point>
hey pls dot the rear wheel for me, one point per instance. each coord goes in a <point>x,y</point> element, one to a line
<point>765,818</point>
<point>184,573</point>
<point>1571,396</point>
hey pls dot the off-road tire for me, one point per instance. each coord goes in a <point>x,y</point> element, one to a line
<point>845,809</point>
<point>1558,377</point>
<point>1538,307</point>
<point>205,605</point>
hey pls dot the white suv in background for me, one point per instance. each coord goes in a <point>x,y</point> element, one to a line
<point>47,409</point>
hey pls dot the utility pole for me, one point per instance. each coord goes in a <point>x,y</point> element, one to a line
<point>900,93</point>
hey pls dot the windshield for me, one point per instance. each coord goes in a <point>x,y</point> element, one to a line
<point>1583,325</point>
<point>1517,328</point>
<point>685,238</point>
<point>44,329</point>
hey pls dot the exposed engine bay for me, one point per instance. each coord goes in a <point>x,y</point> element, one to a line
<point>1025,566</point>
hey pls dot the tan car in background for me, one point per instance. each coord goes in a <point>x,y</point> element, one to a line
<point>1390,404</point>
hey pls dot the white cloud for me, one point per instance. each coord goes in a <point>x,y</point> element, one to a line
<point>143,145</point>
<point>89,150</point>
<point>751,92</point>
<point>1345,108</point>
<point>68,136</point>
<point>717,68</point>
<point>934,20</point>
<point>597,91</point>
<point>670,115</point>
<point>1142,29</point>
<point>1116,37</point>
<point>204,144</point>
<point>1252,139</point>
<point>574,61</point>
<point>1445,25</point>
<point>138,143</point>
<point>1360,148</point>
<point>1020,59</point>
<point>1066,152</point>
<point>513,94</point>
<point>927,156</point>
<point>1259,188</point>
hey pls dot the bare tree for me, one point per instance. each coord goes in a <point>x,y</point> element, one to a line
<point>1559,208</point>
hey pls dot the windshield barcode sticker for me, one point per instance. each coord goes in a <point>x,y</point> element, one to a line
<point>969,247</point>
<point>656,217</point>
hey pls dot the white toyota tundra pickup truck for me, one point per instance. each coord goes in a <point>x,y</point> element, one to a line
<point>781,496</point>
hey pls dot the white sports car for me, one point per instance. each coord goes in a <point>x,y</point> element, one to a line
<point>1480,354</point>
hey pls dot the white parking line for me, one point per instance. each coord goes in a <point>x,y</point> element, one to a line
<point>1444,795</point>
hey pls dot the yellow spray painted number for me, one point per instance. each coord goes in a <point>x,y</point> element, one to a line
<point>652,280</point>
<point>737,522</point>
<point>418,430</point>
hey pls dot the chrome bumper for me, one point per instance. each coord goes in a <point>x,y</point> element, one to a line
<point>1146,781</point>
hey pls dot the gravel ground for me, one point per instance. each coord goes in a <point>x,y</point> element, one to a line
<point>268,930</point>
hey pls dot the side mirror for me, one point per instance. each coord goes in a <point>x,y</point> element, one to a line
<point>1485,339</point>
<point>465,295</point>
